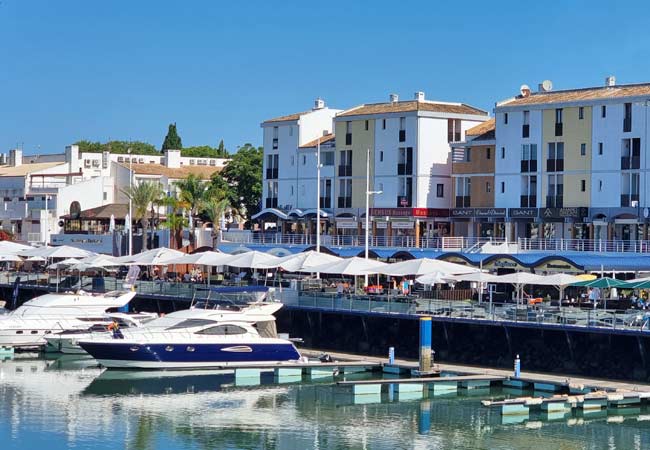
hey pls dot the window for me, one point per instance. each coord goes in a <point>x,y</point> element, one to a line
<point>383,124</point>
<point>366,125</point>
<point>348,133</point>
<point>581,113</point>
<point>627,120</point>
<point>558,122</point>
<point>402,123</point>
<point>453,130</point>
<point>275,132</point>
<point>505,118</point>
<point>503,153</point>
<point>600,148</point>
<point>290,130</point>
<point>292,190</point>
<point>327,158</point>
<point>381,156</point>
<point>223,330</point>
<point>526,117</point>
<point>583,185</point>
<point>348,127</point>
<point>488,187</point>
<point>304,160</point>
<point>583,149</point>
<point>468,154</point>
<point>503,187</point>
<point>440,190</point>
<point>600,185</point>
<point>293,160</point>
<point>488,153</point>
<point>105,196</point>
<point>525,128</point>
<point>603,111</point>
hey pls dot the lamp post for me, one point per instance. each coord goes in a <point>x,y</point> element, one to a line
<point>130,202</point>
<point>368,194</point>
<point>47,222</point>
<point>318,166</point>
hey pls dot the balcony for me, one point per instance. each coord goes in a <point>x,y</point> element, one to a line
<point>463,201</point>
<point>525,131</point>
<point>558,129</point>
<point>627,125</point>
<point>554,201</point>
<point>402,135</point>
<point>345,202</point>
<point>348,138</point>
<point>326,202</point>
<point>554,165</point>
<point>403,201</point>
<point>272,202</point>
<point>528,201</point>
<point>529,165</point>
<point>627,199</point>
<point>345,171</point>
<point>405,169</point>
<point>272,174</point>
<point>630,162</point>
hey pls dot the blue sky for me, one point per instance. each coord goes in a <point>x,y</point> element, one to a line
<point>123,69</point>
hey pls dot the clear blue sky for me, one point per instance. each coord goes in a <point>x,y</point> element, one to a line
<point>124,69</point>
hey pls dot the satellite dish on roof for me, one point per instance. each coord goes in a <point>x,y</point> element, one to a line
<point>547,85</point>
<point>525,90</point>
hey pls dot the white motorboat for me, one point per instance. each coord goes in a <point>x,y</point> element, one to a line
<point>28,325</point>
<point>197,338</point>
<point>68,341</point>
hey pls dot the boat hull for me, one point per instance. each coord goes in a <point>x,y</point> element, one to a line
<point>125,355</point>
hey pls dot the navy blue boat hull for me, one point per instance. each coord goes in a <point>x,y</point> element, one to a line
<point>183,356</point>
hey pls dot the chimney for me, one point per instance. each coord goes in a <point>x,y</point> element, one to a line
<point>15,157</point>
<point>319,103</point>
<point>394,98</point>
<point>419,96</point>
<point>610,81</point>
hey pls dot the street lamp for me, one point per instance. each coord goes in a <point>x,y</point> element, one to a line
<point>47,222</point>
<point>368,194</point>
<point>130,202</point>
<point>318,167</point>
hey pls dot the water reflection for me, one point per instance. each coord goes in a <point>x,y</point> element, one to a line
<point>69,401</point>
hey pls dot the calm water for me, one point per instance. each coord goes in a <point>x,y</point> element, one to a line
<point>67,403</point>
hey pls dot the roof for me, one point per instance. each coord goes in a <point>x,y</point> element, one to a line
<point>294,116</point>
<point>26,169</point>
<point>411,105</point>
<point>580,95</point>
<point>118,210</point>
<point>175,173</point>
<point>482,128</point>
<point>321,140</point>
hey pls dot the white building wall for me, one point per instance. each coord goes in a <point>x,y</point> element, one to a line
<point>433,162</point>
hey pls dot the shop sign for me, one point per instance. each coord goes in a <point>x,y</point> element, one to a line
<point>430,212</point>
<point>461,212</point>
<point>563,213</point>
<point>557,265</point>
<point>381,225</point>
<point>346,224</point>
<point>401,225</point>
<point>409,212</point>
<point>490,212</point>
<point>522,213</point>
<point>503,263</point>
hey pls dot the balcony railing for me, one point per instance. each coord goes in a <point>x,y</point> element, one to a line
<point>529,165</point>
<point>272,174</point>
<point>630,162</point>
<point>528,201</point>
<point>345,171</point>
<point>554,165</point>
<point>554,201</point>
<point>405,169</point>
<point>463,201</point>
<point>627,199</point>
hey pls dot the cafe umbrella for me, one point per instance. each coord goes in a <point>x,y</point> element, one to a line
<point>604,283</point>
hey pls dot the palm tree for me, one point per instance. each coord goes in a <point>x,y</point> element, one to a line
<point>175,220</point>
<point>193,192</point>
<point>142,195</point>
<point>216,209</point>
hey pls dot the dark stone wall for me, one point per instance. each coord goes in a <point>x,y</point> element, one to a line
<point>590,354</point>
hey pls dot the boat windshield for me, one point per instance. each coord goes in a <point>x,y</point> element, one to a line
<point>191,323</point>
<point>267,329</point>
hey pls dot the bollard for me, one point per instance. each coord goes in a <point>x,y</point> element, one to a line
<point>391,355</point>
<point>517,367</point>
<point>425,344</point>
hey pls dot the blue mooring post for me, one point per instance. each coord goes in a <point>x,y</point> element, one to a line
<point>517,367</point>
<point>391,355</point>
<point>425,344</point>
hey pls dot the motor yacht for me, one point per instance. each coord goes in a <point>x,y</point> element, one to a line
<point>197,338</point>
<point>28,325</point>
<point>68,341</point>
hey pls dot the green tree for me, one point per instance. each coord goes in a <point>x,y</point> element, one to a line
<point>244,174</point>
<point>217,208</point>
<point>142,196</point>
<point>222,151</point>
<point>175,221</point>
<point>172,140</point>
<point>193,192</point>
<point>117,147</point>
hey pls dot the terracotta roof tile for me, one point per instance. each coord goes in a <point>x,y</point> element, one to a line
<point>411,105</point>
<point>322,139</point>
<point>295,116</point>
<point>117,210</point>
<point>178,173</point>
<point>481,128</point>
<point>580,95</point>
<point>26,169</point>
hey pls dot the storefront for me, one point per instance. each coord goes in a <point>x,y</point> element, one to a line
<point>563,223</point>
<point>479,222</point>
<point>523,223</point>
<point>408,226</point>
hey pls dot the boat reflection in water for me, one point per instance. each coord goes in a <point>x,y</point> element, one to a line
<point>69,402</point>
